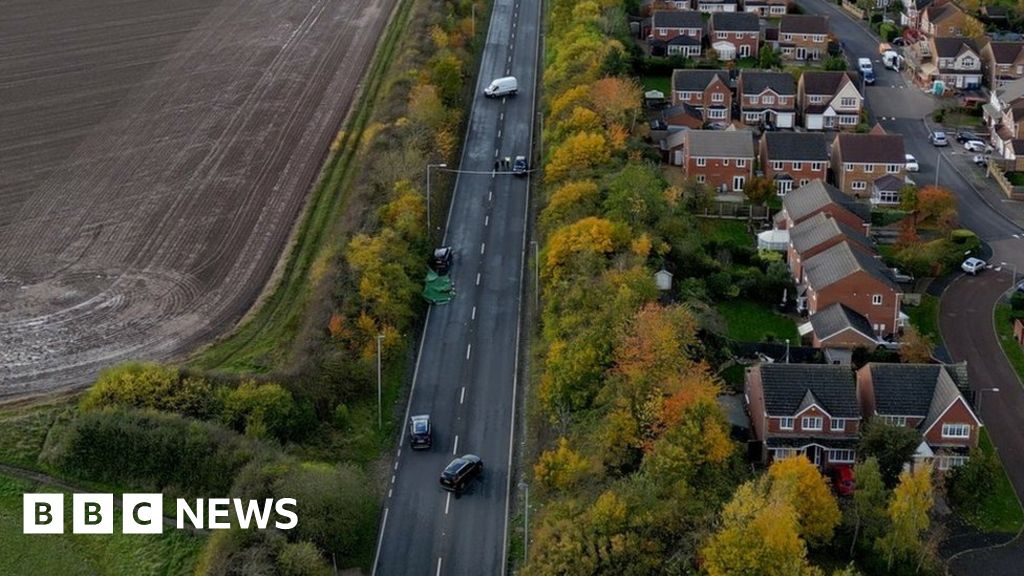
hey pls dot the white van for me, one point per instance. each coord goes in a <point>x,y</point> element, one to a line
<point>864,65</point>
<point>507,86</point>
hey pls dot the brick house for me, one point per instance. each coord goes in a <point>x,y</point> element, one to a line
<point>713,6</point>
<point>677,33</point>
<point>734,35</point>
<point>793,159</point>
<point>944,18</point>
<point>829,100</point>
<point>765,8</point>
<point>910,16</point>
<point>648,7</point>
<point>803,37</point>
<point>1003,62</point>
<point>808,409</point>
<point>849,276</point>
<point>860,159</point>
<point>819,233</point>
<point>682,116</point>
<point>955,61</point>
<point>723,159</point>
<point>767,99</point>
<point>839,328</point>
<point>1004,114</point>
<point>706,90</point>
<point>928,398</point>
<point>817,197</point>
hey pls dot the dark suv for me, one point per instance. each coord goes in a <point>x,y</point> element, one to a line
<point>442,260</point>
<point>419,432</point>
<point>460,472</point>
<point>519,166</point>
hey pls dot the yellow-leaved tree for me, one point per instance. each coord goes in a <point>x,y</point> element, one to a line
<point>800,483</point>
<point>561,468</point>
<point>578,153</point>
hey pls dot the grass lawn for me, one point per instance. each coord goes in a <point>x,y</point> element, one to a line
<point>729,232</point>
<point>1015,178</point>
<point>961,120</point>
<point>752,322</point>
<point>23,431</point>
<point>926,316</point>
<point>171,553</point>
<point>1000,511</point>
<point>1004,330</point>
<point>661,83</point>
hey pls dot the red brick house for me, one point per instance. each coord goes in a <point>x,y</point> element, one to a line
<point>648,7</point>
<point>819,233</point>
<point>708,91</point>
<point>767,99</point>
<point>926,397</point>
<point>849,276</point>
<point>677,33</point>
<point>839,328</point>
<point>803,37</point>
<point>723,159</point>
<point>735,34</point>
<point>815,197</point>
<point>860,159</point>
<point>764,8</point>
<point>793,159</point>
<point>808,409</point>
<point>1003,62</point>
<point>829,100</point>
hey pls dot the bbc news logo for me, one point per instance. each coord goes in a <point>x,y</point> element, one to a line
<point>144,513</point>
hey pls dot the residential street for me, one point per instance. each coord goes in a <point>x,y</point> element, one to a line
<point>466,372</point>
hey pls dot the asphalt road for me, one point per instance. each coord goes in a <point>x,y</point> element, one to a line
<point>466,372</point>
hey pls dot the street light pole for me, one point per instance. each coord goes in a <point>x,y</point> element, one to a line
<point>980,390</point>
<point>430,231</point>
<point>380,409</point>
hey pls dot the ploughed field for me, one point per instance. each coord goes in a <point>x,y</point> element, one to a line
<point>154,157</point>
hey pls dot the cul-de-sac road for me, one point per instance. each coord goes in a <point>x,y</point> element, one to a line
<point>466,372</point>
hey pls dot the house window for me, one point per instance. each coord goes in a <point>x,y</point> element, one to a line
<point>716,113</point>
<point>776,165</point>
<point>787,37</point>
<point>811,423</point>
<point>738,182</point>
<point>848,167</point>
<point>741,162</point>
<point>783,453</point>
<point>838,424</point>
<point>752,116</point>
<point>869,168</point>
<point>798,165</point>
<point>876,299</point>
<point>717,97</point>
<point>967,62</point>
<point>888,197</point>
<point>700,178</point>
<point>744,50</point>
<point>817,166</point>
<point>847,120</point>
<point>900,421</point>
<point>785,423</point>
<point>837,456</point>
<point>956,431</point>
<point>947,462</point>
<point>662,31</point>
<point>859,185</point>
<point>892,168</point>
<point>782,187</point>
<point>819,38</point>
<point>804,181</point>
<point>768,99</point>
<point>701,161</point>
<point>721,35</point>
<point>817,99</point>
<point>847,102</point>
<point>725,161</point>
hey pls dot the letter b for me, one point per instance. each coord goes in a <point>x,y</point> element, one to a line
<point>43,513</point>
<point>93,514</point>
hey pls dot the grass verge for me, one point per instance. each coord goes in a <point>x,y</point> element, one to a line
<point>1004,331</point>
<point>1000,511</point>
<point>172,553</point>
<point>264,341</point>
<point>748,321</point>
<point>925,317</point>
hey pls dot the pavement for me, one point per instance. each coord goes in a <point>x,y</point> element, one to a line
<point>466,370</point>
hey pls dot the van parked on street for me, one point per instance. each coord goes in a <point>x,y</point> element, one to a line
<point>506,86</point>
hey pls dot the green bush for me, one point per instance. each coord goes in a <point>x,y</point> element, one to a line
<point>259,410</point>
<point>149,451</point>
<point>148,385</point>
<point>970,484</point>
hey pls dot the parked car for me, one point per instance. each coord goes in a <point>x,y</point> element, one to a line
<point>420,435</point>
<point>977,146</point>
<point>938,138</point>
<point>869,76</point>
<point>842,480</point>
<point>901,277</point>
<point>965,135</point>
<point>980,160</point>
<point>912,165</point>
<point>973,265</point>
<point>898,41</point>
<point>864,65</point>
<point>519,166</point>
<point>460,472</point>
<point>442,260</point>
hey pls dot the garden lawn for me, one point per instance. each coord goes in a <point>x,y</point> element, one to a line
<point>1000,511</point>
<point>172,553</point>
<point>660,83</point>
<point>925,317</point>
<point>728,232</point>
<point>748,321</point>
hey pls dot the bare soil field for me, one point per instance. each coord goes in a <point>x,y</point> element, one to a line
<point>154,156</point>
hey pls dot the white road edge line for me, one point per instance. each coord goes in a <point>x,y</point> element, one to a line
<point>462,395</point>
<point>455,447</point>
<point>380,540</point>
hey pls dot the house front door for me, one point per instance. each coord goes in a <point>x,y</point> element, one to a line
<point>801,53</point>
<point>814,455</point>
<point>744,50</point>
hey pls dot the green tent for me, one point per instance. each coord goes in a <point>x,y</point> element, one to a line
<point>438,289</point>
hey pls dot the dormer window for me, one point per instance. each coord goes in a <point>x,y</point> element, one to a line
<point>811,423</point>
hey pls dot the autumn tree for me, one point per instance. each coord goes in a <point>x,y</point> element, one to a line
<point>759,190</point>
<point>582,241</point>
<point>579,153</point>
<point>445,72</point>
<point>696,196</point>
<point>636,195</point>
<point>425,107</point>
<point>561,468</point>
<point>891,445</point>
<point>868,510</point>
<point>569,202</point>
<point>802,485</point>
<point>915,347</point>
<point>616,100</point>
<point>933,202</point>
<point>911,502</point>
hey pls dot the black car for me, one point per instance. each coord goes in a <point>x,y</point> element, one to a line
<point>442,260</point>
<point>460,472</point>
<point>519,166</point>
<point>420,436</point>
<point>966,135</point>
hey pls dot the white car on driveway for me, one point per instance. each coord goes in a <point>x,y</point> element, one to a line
<point>912,163</point>
<point>973,265</point>
<point>977,146</point>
